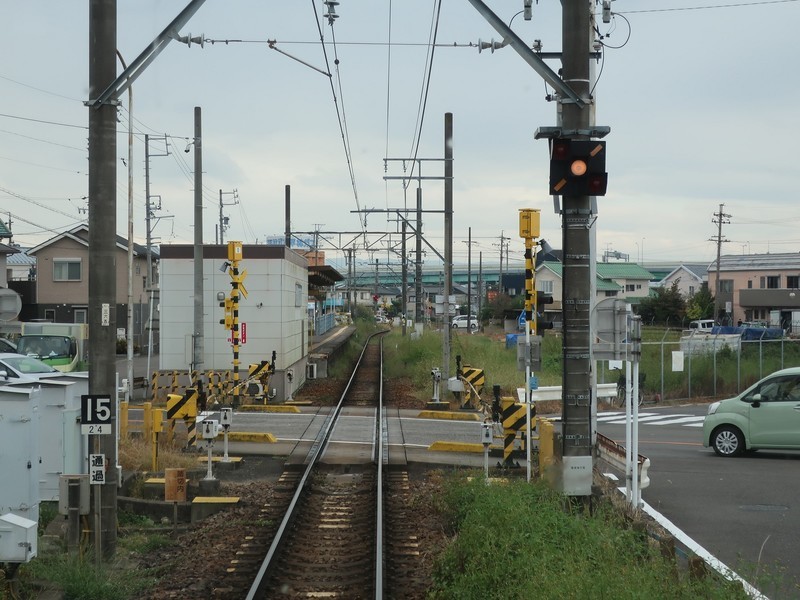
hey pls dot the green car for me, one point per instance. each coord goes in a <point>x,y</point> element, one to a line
<point>765,416</point>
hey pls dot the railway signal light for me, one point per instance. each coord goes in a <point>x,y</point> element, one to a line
<point>542,298</point>
<point>578,168</point>
<point>227,321</point>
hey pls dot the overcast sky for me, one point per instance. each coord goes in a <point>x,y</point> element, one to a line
<point>700,97</point>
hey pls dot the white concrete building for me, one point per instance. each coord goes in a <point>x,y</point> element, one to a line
<point>273,316</point>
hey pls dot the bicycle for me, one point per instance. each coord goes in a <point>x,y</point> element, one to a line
<point>621,387</point>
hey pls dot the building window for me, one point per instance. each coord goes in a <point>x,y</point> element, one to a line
<point>298,294</point>
<point>749,284</point>
<point>629,287</point>
<point>50,314</point>
<point>793,282</point>
<point>80,315</point>
<point>726,286</point>
<point>691,290</point>
<point>545,286</point>
<point>610,293</point>
<point>773,282</point>
<point>66,269</point>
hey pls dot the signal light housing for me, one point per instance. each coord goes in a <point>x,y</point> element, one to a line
<point>578,168</point>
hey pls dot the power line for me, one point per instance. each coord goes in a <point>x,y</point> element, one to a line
<point>710,7</point>
<point>43,121</point>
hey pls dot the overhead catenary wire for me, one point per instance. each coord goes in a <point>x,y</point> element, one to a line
<point>423,101</point>
<point>340,113</point>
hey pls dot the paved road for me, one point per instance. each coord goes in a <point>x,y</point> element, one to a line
<point>140,363</point>
<point>737,508</point>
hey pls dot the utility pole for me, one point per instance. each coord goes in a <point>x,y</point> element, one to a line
<point>287,213</point>
<point>448,242</point>
<point>102,253</point>
<point>149,285</point>
<point>376,295</point>
<point>197,357</point>
<point>404,284</point>
<point>503,241</point>
<point>469,277</point>
<point>720,219</point>
<point>418,308</point>
<point>577,220</point>
<point>223,220</point>
<point>149,208</point>
<point>480,282</point>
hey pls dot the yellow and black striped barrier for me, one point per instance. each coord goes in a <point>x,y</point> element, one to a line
<point>513,417</point>
<point>474,379</point>
<point>183,407</point>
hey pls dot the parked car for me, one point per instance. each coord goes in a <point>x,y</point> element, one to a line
<point>7,345</point>
<point>765,416</point>
<point>18,367</point>
<point>461,321</point>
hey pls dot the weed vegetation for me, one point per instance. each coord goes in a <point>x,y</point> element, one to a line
<point>518,540</point>
<point>78,577</point>
<point>724,373</point>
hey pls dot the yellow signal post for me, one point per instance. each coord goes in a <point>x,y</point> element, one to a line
<point>237,290</point>
<point>529,229</point>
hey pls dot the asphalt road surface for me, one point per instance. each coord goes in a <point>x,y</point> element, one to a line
<point>744,510</point>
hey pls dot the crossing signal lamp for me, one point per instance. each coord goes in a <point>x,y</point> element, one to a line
<point>578,168</point>
<point>227,321</point>
<point>542,298</point>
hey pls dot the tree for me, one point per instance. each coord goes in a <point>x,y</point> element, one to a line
<point>663,306</point>
<point>701,305</point>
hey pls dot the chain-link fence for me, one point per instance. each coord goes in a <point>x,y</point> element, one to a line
<point>705,366</point>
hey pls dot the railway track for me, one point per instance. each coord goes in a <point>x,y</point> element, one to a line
<point>323,533</point>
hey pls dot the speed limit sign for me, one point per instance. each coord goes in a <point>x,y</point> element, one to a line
<point>95,414</point>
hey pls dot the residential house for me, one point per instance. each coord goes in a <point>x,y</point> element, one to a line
<point>5,271</point>
<point>758,287</point>
<point>613,280</point>
<point>690,279</point>
<point>62,280</point>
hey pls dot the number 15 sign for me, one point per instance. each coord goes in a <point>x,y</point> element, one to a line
<point>95,414</point>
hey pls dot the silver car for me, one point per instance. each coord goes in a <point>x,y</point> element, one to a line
<point>18,367</point>
<point>460,322</point>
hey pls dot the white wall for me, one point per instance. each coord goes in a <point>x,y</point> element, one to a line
<point>273,313</point>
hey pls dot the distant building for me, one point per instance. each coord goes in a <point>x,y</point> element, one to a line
<point>758,287</point>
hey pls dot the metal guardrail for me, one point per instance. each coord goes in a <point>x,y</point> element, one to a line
<point>614,454</point>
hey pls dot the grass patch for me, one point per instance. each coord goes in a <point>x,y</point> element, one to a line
<point>414,358</point>
<point>136,454</point>
<point>520,540</point>
<point>78,577</point>
<point>721,374</point>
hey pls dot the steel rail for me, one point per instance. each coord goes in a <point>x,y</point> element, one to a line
<point>381,448</point>
<point>316,452</point>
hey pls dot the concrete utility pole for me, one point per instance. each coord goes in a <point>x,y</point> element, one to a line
<point>102,250</point>
<point>287,214</point>
<point>418,307</point>
<point>223,220</point>
<point>503,251</point>
<point>720,219</point>
<point>480,282</point>
<point>448,242</point>
<point>469,278</point>
<point>404,306</point>
<point>577,220</point>
<point>129,329</point>
<point>197,357</point>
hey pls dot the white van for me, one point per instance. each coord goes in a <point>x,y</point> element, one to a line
<point>702,325</point>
